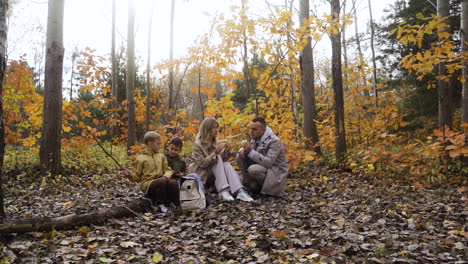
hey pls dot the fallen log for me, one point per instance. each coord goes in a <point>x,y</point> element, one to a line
<point>69,221</point>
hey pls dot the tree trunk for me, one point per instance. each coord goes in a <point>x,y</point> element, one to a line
<point>344,46</point>
<point>114,75</point>
<point>289,8</point>
<point>337,78</point>
<point>171,56</point>
<point>308,86</point>
<point>75,54</point>
<point>3,45</point>
<point>70,221</point>
<point>148,71</point>
<point>464,38</point>
<point>131,140</point>
<point>49,153</point>
<point>374,70</point>
<point>445,115</point>
<point>245,59</point>
<point>199,93</point>
<point>360,80</point>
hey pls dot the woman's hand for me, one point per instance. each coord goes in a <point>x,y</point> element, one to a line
<point>220,148</point>
<point>228,146</point>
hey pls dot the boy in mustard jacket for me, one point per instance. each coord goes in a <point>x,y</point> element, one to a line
<point>153,173</point>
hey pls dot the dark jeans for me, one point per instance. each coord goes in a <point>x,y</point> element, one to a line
<point>163,191</point>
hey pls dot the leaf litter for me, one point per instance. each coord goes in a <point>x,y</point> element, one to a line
<point>344,219</point>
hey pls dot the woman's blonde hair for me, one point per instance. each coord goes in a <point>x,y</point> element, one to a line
<point>204,133</point>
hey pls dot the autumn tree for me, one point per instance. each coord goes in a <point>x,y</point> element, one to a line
<point>419,103</point>
<point>337,79</point>
<point>445,114</point>
<point>307,83</point>
<point>3,45</point>
<point>49,153</point>
<point>131,140</point>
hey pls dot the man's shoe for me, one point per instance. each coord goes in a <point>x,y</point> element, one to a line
<point>226,196</point>
<point>244,196</point>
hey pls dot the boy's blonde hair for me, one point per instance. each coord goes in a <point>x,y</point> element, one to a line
<point>150,136</point>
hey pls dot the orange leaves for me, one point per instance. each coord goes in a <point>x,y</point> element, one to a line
<point>443,50</point>
<point>22,105</point>
<point>452,142</point>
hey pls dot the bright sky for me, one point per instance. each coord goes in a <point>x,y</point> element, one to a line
<point>88,24</point>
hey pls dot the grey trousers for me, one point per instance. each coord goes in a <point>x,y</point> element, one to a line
<point>253,176</point>
<point>226,177</point>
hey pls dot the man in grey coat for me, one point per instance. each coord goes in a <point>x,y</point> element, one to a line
<point>263,161</point>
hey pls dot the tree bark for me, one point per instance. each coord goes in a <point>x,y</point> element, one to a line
<point>464,39</point>
<point>245,59</point>
<point>308,86</point>
<point>289,8</point>
<point>337,78</point>
<point>49,153</point>
<point>3,45</point>
<point>114,90</point>
<point>148,70</point>
<point>131,140</point>
<point>344,46</point>
<point>374,70</point>
<point>360,80</point>
<point>70,221</point>
<point>445,115</point>
<point>171,57</point>
<point>199,93</point>
<point>75,54</point>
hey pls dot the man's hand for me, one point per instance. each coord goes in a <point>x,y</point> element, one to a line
<point>247,147</point>
<point>241,153</point>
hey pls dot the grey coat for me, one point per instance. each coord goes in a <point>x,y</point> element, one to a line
<point>269,152</point>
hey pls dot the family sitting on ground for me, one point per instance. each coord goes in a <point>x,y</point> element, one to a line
<point>262,163</point>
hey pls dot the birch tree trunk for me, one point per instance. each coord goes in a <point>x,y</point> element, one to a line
<point>361,80</point>
<point>445,116</point>
<point>307,85</point>
<point>337,79</point>
<point>75,55</point>
<point>171,56</point>
<point>131,140</point>
<point>3,45</point>
<point>114,90</point>
<point>49,152</point>
<point>374,70</point>
<point>148,71</point>
<point>245,68</point>
<point>289,8</point>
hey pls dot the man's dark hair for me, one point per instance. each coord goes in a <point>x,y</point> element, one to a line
<point>176,142</point>
<point>261,120</point>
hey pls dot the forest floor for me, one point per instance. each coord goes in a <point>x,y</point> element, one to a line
<point>341,218</point>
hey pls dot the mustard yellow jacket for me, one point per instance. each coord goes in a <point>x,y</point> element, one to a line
<point>150,166</point>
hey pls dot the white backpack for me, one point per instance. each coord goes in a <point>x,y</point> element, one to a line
<point>191,193</point>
